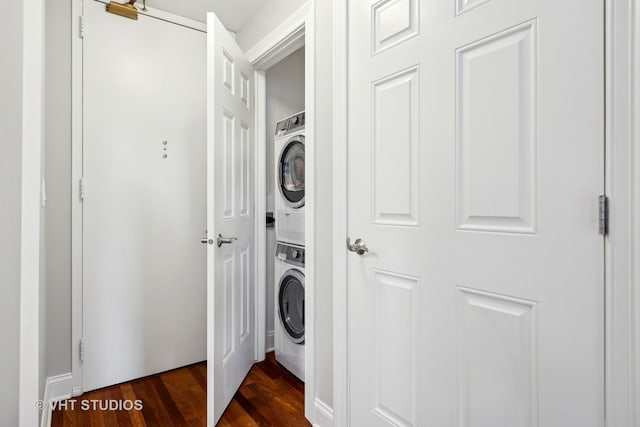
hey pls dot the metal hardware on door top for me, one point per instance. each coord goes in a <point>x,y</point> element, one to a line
<point>358,246</point>
<point>222,240</point>
<point>127,10</point>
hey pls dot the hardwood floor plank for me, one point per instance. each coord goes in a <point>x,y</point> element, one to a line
<point>199,375</point>
<point>235,415</point>
<point>167,402</point>
<point>135,417</point>
<point>154,413</point>
<point>181,393</point>
<point>269,396</point>
<point>251,410</point>
<point>57,417</point>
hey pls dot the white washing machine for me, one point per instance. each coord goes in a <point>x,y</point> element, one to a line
<point>289,308</point>
<point>290,179</point>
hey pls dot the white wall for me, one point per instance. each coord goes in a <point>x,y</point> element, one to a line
<point>58,178</point>
<point>10,198</point>
<point>285,97</point>
<point>261,24</point>
<point>265,20</point>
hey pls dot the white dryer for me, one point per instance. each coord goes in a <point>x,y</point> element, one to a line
<point>289,308</point>
<point>290,179</point>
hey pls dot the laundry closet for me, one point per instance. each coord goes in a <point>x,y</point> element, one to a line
<point>285,184</point>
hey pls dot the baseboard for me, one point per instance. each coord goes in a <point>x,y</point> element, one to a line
<point>270,341</point>
<point>323,414</point>
<point>56,389</point>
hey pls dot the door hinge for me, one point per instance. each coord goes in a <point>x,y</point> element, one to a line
<point>82,26</point>
<point>603,215</point>
<point>83,189</point>
<point>82,349</point>
<point>43,194</point>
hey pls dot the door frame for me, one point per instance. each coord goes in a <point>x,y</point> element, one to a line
<point>77,107</point>
<point>294,32</point>
<point>32,201</point>
<point>622,246</point>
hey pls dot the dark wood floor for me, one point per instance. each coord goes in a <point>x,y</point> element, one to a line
<point>269,396</point>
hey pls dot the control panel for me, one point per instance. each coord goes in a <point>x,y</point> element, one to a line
<point>290,124</point>
<point>290,254</point>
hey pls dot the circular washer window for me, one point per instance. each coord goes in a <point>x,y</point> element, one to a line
<point>291,174</point>
<point>291,305</point>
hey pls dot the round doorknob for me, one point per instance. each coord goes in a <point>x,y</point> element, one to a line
<point>358,246</point>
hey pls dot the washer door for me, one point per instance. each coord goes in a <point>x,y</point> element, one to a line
<point>291,172</point>
<point>291,305</point>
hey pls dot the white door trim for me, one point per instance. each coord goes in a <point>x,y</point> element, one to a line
<point>261,213</point>
<point>285,39</point>
<point>293,33</point>
<point>77,132</point>
<point>32,126</point>
<point>622,246</point>
<point>341,402</point>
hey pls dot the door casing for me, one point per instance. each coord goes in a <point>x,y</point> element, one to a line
<point>294,32</point>
<point>622,246</point>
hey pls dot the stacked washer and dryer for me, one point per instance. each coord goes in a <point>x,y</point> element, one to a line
<point>290,252</point>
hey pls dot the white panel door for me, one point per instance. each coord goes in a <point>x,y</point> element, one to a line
<point>145,207</point>
<point>230,215</point>
<point>475,144</point>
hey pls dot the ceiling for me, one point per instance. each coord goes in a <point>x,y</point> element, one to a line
<point>232,13</point>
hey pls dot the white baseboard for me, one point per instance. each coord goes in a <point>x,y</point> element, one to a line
<point>56,389</point>
<point>270,344</point>
<point>323,414</point>
<point>76,391</point>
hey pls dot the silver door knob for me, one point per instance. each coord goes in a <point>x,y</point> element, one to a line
<point>358,246</point>
<point>205,241</point>
<point>225,240</point>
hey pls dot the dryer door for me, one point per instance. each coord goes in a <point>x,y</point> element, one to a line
<point>291,305</point>
<point>291,172</point>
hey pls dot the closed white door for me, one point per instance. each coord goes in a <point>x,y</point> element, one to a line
<point>475,144</point>
<point>230,217</point>
<point>144,209</point>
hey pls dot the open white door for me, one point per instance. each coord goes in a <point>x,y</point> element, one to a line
<point>230,218</point>
<point>475,160</point>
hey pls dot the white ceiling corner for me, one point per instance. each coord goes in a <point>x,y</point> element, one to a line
<point>232,13</point>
